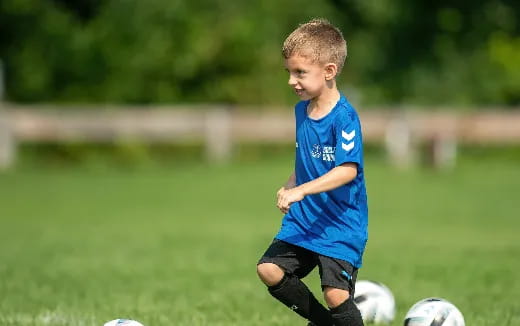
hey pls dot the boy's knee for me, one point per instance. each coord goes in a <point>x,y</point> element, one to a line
<point>271,274</point>
<point>346,313</point>
<point>334,297</point>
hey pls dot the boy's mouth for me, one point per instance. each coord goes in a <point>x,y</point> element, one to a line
<point>299,92</point>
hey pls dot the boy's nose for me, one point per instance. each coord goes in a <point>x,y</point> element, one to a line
<point>292,81</point>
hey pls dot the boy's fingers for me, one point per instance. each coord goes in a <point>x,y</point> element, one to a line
<point>279,204</point>
<point>279,192</point>
<point>285,204</point>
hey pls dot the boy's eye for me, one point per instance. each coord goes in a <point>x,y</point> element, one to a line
<point>298,72</point>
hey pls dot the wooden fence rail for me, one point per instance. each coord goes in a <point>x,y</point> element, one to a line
<point>219,127</point>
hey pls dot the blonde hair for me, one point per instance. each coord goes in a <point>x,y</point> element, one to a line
<point>317,40</point>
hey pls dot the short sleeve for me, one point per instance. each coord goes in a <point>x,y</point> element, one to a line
<point>349,146</point>
<point>300,112</point>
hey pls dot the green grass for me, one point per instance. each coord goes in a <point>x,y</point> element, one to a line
<point>179,246</point>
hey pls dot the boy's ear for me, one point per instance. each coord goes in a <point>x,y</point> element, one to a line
<point>331,69</point>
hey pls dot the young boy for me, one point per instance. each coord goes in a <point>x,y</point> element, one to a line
<point>324,200</point>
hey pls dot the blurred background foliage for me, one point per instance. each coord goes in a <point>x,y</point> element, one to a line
<point>456,53</point>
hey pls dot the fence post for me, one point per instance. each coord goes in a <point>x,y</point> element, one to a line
<point>218,142</point>
<point>441,151</point>
<point>7,142</point>
<point>399,143</point>
<point>2,81</point>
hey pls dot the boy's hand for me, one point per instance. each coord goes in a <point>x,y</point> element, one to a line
<point>288,196</point>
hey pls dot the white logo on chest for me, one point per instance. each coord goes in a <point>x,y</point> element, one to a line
<point>329,153</point>
<point>316,151</point>
<point>326,153</point>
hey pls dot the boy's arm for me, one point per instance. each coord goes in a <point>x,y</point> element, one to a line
<point>338,176</point>
<point>291,182</point>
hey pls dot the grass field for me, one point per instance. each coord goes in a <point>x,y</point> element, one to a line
<point>179,246</point>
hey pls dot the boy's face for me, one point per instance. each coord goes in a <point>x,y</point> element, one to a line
<point>308,79</point>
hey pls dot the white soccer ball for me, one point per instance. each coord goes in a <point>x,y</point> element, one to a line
<point>433,311</point>
<point>375,302</point>
<point>123,322</point>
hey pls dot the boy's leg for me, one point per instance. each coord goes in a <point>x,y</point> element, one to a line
<point>338,279</point>
<point>345,313</point>
<point>292,263</point>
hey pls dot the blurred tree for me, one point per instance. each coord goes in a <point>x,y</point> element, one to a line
<point>440,53</point>
<point>82,9</point>
<point>162,51</point>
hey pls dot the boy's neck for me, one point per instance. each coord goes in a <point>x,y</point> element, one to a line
<point>321,105</point>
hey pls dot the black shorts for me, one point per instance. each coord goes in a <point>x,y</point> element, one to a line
<point>299,261</point>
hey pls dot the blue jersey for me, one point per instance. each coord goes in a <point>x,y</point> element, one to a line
<point>332,223</point>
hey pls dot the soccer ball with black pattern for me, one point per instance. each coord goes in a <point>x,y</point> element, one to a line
<point>433,312</point>
<point>123,322</point>
<point>375,301</point>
